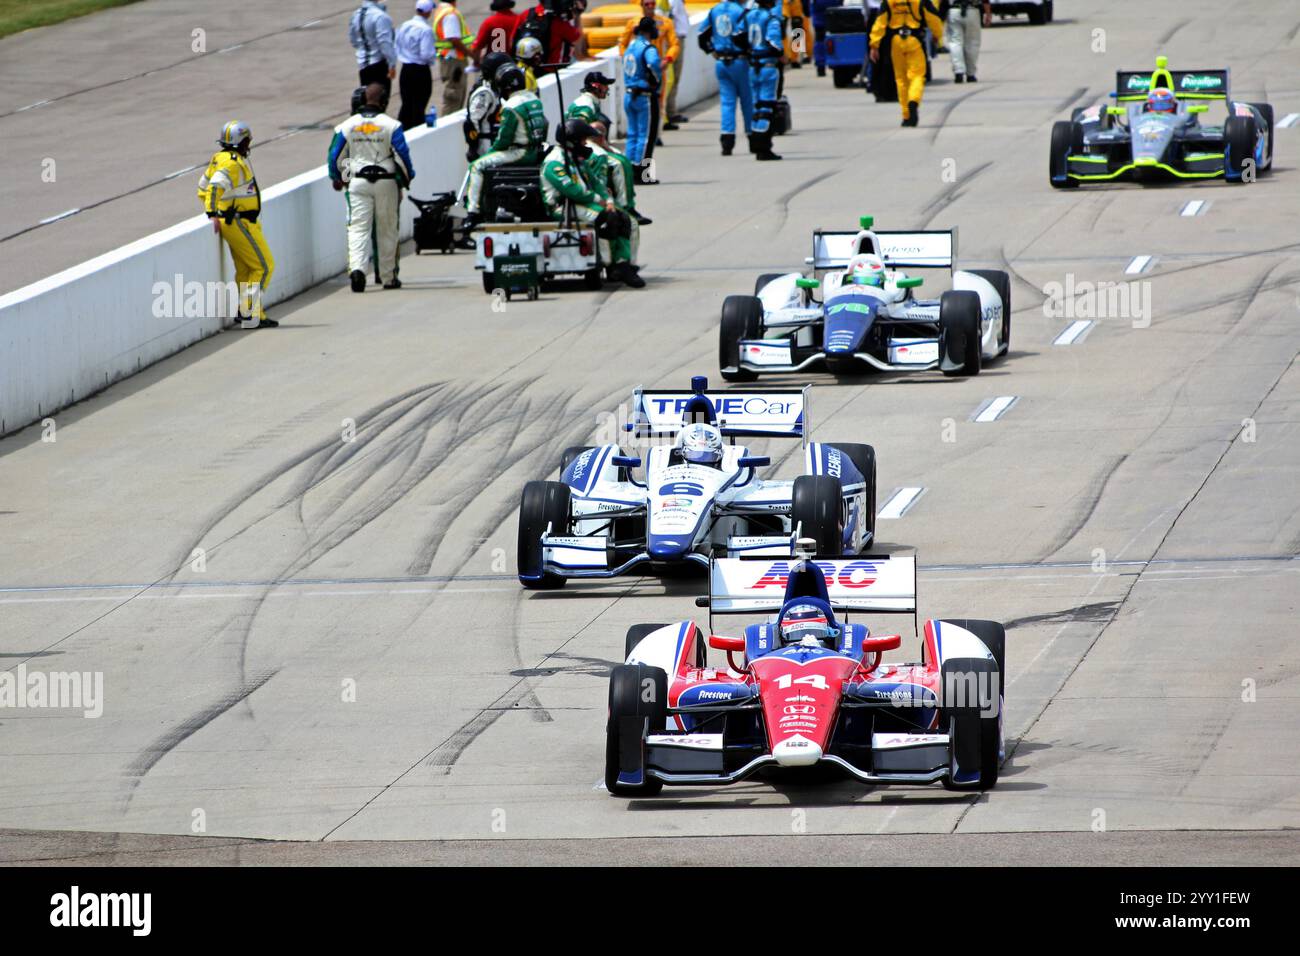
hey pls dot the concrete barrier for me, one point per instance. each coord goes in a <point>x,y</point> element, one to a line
<point>68,336</point>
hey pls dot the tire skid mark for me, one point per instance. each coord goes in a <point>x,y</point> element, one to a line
<point>165,744</point>
<point>946,197</point>
<point>1093,498</point>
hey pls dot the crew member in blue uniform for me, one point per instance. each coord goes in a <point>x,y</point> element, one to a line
<point>766,48</point>
<point>642,76</point>
<point>723,35</point>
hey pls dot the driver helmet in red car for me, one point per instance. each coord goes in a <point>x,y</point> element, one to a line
<point>802,621</point>
<point>1161,100</point>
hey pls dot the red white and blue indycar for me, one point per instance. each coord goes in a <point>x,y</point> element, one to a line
<point>701,495</point>
<point>807,690</point>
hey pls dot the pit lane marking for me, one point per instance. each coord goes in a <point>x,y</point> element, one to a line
<point>1138,265</point>
<point>1286,122</point>
<point>899,503</point>
<point>994,408</point>
<point>1073,332</point>
<point>1194,208</point>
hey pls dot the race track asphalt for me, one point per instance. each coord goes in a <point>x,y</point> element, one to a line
<point>356,667</point>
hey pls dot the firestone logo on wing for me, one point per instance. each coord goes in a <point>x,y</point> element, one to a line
<point>855,574</point>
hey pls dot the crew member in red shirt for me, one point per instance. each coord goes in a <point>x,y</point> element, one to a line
<point>565,41</point>
<point>497,34</point>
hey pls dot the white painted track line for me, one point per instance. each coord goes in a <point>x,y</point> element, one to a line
<point>1073,332</point>
<point>994,408</point>
<point>899,503</point>
<point>1193,208</point>
<point>1286,122</point>
<point>1139,265</point>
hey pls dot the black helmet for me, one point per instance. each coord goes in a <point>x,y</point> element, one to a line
<point>648,27</point>
<point>493,62</point>
<point>510,79</point>
<point>575,130</point>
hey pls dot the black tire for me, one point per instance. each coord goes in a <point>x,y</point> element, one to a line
<point>488,283</point>
<point>969,724</point>
<point>542,503</point>
<point>843,76</point>
<point>993,634</point>
<point>593,279</point>
<point>959,331</point>
<point>1076,113</point>
<point>1239,140</point>
<point>864,459</point>
<point>817,505</point>
<point>1067,136</point>
<point>1002,282</point>
<point>742,318</point>
<point>1266,110</point>
<point>634,635</point>
<point>1037,15</point>
<point>764,279</point>
<point>627,700</point>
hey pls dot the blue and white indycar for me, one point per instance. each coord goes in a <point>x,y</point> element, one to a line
<point>700,497</point>
<point>857,309</point>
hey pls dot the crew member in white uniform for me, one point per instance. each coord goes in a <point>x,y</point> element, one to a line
<point>369,158</point>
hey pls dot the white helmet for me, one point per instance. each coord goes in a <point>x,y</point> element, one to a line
<point>528,49</point>
<point>866,269</point>
<point>701,443</point>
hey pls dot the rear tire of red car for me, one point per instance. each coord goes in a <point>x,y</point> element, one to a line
<point>977,732</point>
<point>638,705</point>
<point>817,509</point>
<point>634,635</point>
<point>543,503</point>
<point>742,318</point>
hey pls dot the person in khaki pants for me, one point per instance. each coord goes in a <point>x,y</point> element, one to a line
<point>965,23</point>
<point>451,39</point>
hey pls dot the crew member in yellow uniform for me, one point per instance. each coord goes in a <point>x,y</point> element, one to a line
<point>900,22</point>
<point>233,202</point>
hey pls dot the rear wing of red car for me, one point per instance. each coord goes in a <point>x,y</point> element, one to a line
<point>874,583</point>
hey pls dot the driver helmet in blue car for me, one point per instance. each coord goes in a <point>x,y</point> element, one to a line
<point>1161,100</point>
<point>867,269</point>
<point>801,621</point>
<point>700,443</point>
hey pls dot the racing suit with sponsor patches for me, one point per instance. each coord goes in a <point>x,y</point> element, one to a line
<point>724,33</point>
<point>519,140</point>
<point>230,194</point>
<point>369,154</point>
<point>903,22</point>
<point>766,38</point>
<point>564,180</point>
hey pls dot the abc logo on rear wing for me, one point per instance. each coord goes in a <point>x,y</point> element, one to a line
<point>884,584</point>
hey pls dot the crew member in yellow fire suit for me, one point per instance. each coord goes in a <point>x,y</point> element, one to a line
<point>901,24</point>
<point>233,202</point>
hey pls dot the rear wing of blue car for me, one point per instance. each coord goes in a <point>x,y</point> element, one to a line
<point>770,413</point>
<point>1133,85</point>
<point>923,249</point>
